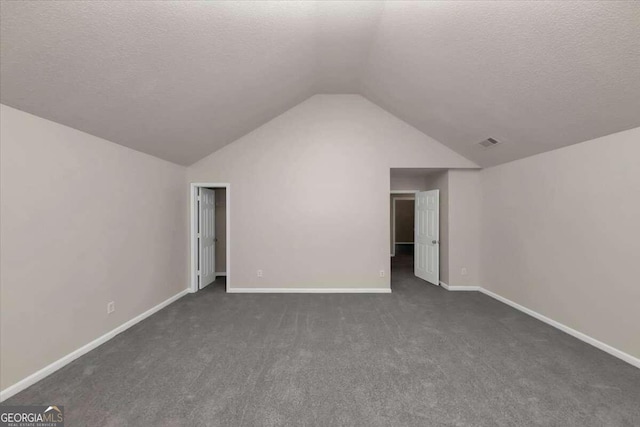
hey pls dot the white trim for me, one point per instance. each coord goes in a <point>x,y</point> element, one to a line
<point>220,273</point>
<point>193,275</point>
<point>632,360</point>
<point>459,288</point>
<point>405,191</point>
<point>393,216</point>
<point>309,290</point>
<point>49,369</point>
<point>564,328</point>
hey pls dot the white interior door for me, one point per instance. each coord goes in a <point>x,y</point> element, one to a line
<point>427,235</point>
<point>206,237</point>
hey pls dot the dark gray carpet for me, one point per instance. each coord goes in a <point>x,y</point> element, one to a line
<point>420,356</point>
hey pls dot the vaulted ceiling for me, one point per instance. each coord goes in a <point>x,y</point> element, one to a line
<point>180,80</point>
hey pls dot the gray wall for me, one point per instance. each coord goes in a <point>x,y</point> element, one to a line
<point>84,222</point>
<point>464,207</point>
<point>561,236</point>
<point>405,183</point>
<point>311,179</point>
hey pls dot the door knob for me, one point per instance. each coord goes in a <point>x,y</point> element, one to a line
<point>435,242</point>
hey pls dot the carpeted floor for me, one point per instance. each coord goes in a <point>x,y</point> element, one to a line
<point>419,356</point>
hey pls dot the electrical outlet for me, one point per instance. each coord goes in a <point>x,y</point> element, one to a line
<point>463,271</point>
<point>259,273</point>
<point>111,307</point>
<point>381,273</point>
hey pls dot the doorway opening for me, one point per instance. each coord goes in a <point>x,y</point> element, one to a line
<point>415,222</point>
<point>210,235</point>
<point>403,227</point>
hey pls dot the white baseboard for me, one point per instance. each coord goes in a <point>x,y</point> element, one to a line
<point>48,370</point>
<point>44,372</point>
<point>564,328</point>
<point>459,288</point>
<point>309,290</point>
<point>222,273</point>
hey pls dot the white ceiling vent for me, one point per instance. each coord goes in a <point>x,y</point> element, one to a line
<point>489,142</point>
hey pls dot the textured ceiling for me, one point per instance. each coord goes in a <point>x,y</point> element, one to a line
<point>534,75</point>
<point>180,80</point>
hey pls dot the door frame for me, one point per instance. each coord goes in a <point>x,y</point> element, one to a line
<point>193,239</point>
<point>393,213</point>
